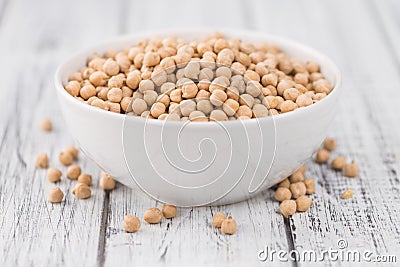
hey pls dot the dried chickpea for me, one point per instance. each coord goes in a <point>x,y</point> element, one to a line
<point>285,183</point>
<point>298,189</point>
<point>303,100</point>
<point>218,218</point>
<point>82,191</point>
<point>46,125</point>
<point>330,144</point>
<point>42,160</point>
<point>338,163</point>
<point>73,151</point>
<point>287,105</point>
<point>218,97</point>
<point>297,176</point>
<point>189,90</point>
<point>153,215</point>
<point>197,116</point>
<point>291,94</point>
<point>347,194</point>
<point>303,203</point>
<point>157,109</point>
<point>56,195</point>
<point>244,111</point>
<point>98,78</point>
<point>73,172</point>
<point>111,67</point>
<point>66,158</point>
<point>133,79</point>
<point>288,207</point>
<point>228,226</point>
<point>169,211</point>
<point>310,186</point>
<point>351,170</point>
<point>131,223</point>
<point>73,88</point>
<point>282,193</point>
<point>187,107</point>
<point>218,115</point>
<point>139,106</point>
<point>107,182</point>
<point>53,174</point>
<point>85,178</point>
<point>114,95</point>
<point>260,111</point>
<point>322,156</point>
<point>230,107</point>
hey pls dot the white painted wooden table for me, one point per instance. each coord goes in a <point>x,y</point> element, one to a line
<point>363,37</point>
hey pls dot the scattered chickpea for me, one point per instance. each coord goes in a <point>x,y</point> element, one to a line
<point>56,195</point>
<point>218,218</point>
<point>351,170</point>
<point>322,156</point>
<point>330,144</point>
<point>285,183</point>
<point>310,186</point>
<point>53,174</point>
<point>153,215</point>
<point>282,193</point>
<point>169,211</point>
<point>42,160</point>
<point>347,194</point>
<point>303,203</point>
<point>73,151</point>
<point>73,172</point>
<point>131,223</point>
<point>66,158</point>
<point>298,189</point>
<point>229,226</point>
<point>288,207</point>
<point>46,125</point>
<point>107,182</point>
<point>85,178</point>
<point>82,191</point>
<point>338,163</point>
<point>297,176</point>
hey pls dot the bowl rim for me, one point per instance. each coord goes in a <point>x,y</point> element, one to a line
<point>185,31</point>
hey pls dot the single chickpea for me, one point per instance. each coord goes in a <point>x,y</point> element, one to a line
<point>157,109</point>
<point>223,71</point>
<point>347,194</point>
<point>218,97</point>
<point>330,144</point>
<point>192,70</point>
<point>322,156</point>
<point>85,178</point>
<point>303,203</point>
<point>145,85</point>
<point>228,226</point>
<point>291,94</point>
<point>150,97</point>
<point>297,176</point>
<point>87,91</point>
<point>197,116</point>
<point>73,151</point>
<point>66,158</point>
<point>282,193</point>
<point>251,76</point>
<point>107,182</point>
<point>218,115</point>
<point>53,174</point>
<point>205,106</point>
<point>73,172</point>
<point>186,107</point>
<point>225,57</point>
<point>244,110</point>
<point>230,107</point>
<point>42,160</point>
<point>114,95</point>
<point>133,79</point>
<point>56,195</point>
<point>98,78</point>
<point>303,100</point>
<point>218,218</point>
<point>287,105</point>
<point>298,189</point>
<point>310,186</point>
<point>151,59</point>
<point>111,67</point>
<point>338,163</point>
<point>82,191</point>
<point>285,183</point>
<point>98,103</point>
<point>118,81</point>
<point>253,88</point>
<point>126,103</point>
<point>203,94</point>
<point>312,66</point>
<point>114,107</point>
<point>189,89</point>
<point>288,208</point>
<point>73,88</point>
<point>284,85</point>
<point>269,79</point>
<point>260,111</point>
<point>169,211</point>
<point>131,223</point>
<point>153,215</point>
<point>351,170</point>
<point>301,78</point>
<point>46,125</point>
<point>139,106</point>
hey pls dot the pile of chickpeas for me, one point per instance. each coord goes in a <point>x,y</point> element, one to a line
<point>208,79</point>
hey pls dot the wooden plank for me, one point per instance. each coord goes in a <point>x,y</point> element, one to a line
<point>34,232</point>
<point>182,240</point>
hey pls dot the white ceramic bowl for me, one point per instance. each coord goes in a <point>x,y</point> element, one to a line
<point>191,164</point>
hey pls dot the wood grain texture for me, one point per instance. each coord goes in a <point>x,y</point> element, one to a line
<point>361,36</point>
